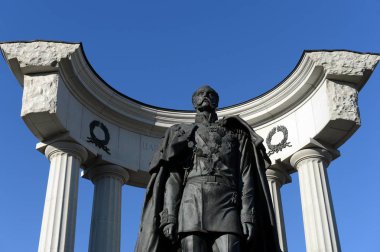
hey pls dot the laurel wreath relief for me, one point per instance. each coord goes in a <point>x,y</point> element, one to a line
<point>275,148</point>
<point>101,144</point>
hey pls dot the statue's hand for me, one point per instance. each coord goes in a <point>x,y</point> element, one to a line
<point>248,230</point>
<point>170,232</point>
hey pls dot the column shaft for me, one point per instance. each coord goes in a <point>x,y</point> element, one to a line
<point>59,217</point>
<point>106,210</point>
<point>277,205</point>
<point>318,215</point>
<point>277,177</point>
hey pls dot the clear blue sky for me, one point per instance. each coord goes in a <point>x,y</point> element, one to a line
<point>158,52</point>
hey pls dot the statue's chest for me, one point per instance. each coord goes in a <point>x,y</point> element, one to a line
<point>214,140</point>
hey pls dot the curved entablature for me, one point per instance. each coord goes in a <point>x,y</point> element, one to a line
<point>64,97</point>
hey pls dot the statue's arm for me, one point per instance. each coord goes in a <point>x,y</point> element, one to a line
<point>172,198</point>
<point>247,194</point>
<point>247,214</point>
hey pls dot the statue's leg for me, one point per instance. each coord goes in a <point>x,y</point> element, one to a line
<point>227,243</point>
<point>194,243</point>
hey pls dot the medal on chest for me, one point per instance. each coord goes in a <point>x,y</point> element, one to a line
<point>212,143</point>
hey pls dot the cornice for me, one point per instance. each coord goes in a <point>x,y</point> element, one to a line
<point>117,106</point>
<point>99,97</point>
<point>63,94</point>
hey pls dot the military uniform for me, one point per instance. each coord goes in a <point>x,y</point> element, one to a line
<point>211,189</point>
<point>215,193</point>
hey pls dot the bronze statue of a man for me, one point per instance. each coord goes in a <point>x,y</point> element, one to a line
<point>208,190</point>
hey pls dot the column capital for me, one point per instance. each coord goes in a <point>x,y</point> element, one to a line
<point>317,153</point>
<point>97,171</point>
<point>278,173</point>
<point>66,147</point>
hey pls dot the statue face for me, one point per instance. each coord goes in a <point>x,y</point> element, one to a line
<point>205,99</point>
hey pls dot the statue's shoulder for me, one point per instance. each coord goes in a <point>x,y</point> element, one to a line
<point>235,124</point>
<point>242,127</point>
<point>181,126</point>
<point>181,130</point>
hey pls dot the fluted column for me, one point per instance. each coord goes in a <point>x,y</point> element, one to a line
<point>277,177</point>
<point>106,209</point>
<point>318,214</point>
<point>59,217</point>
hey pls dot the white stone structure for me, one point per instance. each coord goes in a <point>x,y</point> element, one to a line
<point>82,121</point>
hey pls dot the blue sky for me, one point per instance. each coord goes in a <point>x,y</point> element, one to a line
<point>159,52</point>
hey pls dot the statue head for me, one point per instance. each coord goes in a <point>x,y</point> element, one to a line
<point>205,99</point>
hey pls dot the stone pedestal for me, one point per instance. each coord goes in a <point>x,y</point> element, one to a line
<point>277,176</point>
<point>318,214</point>
<point>59,217</point>
<point>106,210</point>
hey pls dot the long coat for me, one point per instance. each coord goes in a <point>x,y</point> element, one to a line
<point>174,152</point>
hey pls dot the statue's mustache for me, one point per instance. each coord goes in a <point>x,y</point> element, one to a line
<point>204,99</point>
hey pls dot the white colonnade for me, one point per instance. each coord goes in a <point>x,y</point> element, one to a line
<point>78,118</point>
<point>59,217</point>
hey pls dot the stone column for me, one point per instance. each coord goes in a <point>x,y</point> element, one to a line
<point>106,209</point>
<point>59,217</point>
<point>277,176</point>
<point>318,214</point>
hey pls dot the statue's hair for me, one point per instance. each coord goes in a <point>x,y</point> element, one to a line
<point>204,87</point>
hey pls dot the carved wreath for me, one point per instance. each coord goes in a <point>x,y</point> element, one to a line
<point>275,148</point>
<point>101,144</point>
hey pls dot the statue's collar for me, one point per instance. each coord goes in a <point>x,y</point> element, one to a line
<point>204,118</point>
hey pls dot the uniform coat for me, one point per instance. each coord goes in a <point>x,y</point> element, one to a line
<point>176,154</point>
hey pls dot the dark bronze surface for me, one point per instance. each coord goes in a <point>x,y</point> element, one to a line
<point>208,190</point>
